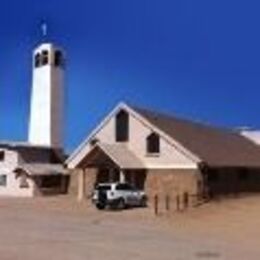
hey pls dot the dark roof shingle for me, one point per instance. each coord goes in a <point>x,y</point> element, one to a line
<point>214,146</point>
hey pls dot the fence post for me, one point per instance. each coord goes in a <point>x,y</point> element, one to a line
<point>185,200</point>
<point>156,202</point>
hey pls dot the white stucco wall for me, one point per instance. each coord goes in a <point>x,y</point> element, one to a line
<point>170,156</point>
<point>12,187</point>
<point>46,111</point>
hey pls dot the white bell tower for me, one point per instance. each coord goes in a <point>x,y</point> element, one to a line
<point>46,111</point>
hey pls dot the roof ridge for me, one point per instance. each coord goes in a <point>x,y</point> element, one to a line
<point>214,145</point>
<point>183,120</point>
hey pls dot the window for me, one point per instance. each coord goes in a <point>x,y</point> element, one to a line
<point>58,59</point>
<point>2,155</point>
<point>103,187</point>
<point>124,186</point>
<point>45,57</point>
<point>3,180</point>
<point>122,126</point>
<point>37,60</point>
<point>153,144</point>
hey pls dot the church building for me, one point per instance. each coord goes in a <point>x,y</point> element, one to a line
<point>165,155</point>
<point>35,167</point>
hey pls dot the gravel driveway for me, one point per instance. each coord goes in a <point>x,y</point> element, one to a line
<point>51,229</point>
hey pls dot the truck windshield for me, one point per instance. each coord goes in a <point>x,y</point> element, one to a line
<point>104,187</point>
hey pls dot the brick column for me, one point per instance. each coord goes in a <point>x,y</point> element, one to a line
<point>81,185</point>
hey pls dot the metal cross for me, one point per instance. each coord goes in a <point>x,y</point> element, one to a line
<point>44,29</point>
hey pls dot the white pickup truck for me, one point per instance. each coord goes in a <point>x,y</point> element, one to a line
<point>118,195</point>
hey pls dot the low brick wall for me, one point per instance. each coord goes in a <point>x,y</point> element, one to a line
<point>172,183</point>
<point>73,185</point>
<point>90,180</point>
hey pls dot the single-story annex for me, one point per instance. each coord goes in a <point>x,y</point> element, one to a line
<point>28,170</point>
<point>164,155</point>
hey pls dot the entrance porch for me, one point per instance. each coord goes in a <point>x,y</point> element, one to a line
<point>109,163</point>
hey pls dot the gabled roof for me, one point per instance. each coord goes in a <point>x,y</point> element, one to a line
<point>31,153</point>
<point>202,143</point>
<point>214,146</point>
<point>118,153</point>
<point>77,156</point>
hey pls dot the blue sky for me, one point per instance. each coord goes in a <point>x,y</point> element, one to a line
<point>199,59</point>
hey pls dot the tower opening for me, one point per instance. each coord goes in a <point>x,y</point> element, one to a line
<point>45,57</point>
<point>37,60</point>
<point>58,59</point>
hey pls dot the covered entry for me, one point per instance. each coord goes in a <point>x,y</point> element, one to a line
<point>109,163</point>
<point>42,179</point>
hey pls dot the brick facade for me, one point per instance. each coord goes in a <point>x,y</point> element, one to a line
<point>90,180</point>
<point>161,182</point>
<point>172,182</point>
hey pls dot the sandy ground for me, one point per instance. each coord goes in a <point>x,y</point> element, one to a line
<point>61,228</point>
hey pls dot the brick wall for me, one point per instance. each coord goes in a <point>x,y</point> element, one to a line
<point>159,182</point>
<point>172,182</point>
<point>89,181</point>
<point>73,185</point>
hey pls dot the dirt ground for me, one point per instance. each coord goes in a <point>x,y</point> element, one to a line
<point>62,228</point>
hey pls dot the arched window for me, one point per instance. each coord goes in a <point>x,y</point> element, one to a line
<point>58,59</point>
<point>45,57</point>
<point>37,60</point>
<point>153,144</point>
<point>122,126</point>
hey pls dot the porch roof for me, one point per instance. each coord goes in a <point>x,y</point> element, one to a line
<point>41,168</point>
<point>118,154</point>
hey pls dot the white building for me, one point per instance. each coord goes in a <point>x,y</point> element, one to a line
<point>46,119</point>
<point>28,171</point>
<point>36,167</point>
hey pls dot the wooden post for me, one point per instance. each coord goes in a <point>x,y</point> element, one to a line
<point>185,200</point>
<point>81,185</point>
<point>156,202</point>
<point>64,181</point>
<point>122,176</point>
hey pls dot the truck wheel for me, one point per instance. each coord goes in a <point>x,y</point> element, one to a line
<point>121,204</point>
<point>100,206</point>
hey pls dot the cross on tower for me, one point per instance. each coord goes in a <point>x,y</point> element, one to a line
<point>44,29</point>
